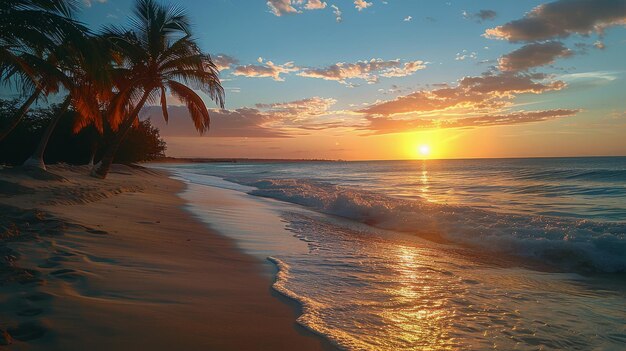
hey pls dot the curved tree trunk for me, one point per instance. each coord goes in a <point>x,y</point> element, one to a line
<point>20,114</point>
<point>101,169</point>
<point>36,160</point>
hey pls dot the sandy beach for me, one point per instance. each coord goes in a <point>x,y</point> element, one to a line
<point>117,264</point>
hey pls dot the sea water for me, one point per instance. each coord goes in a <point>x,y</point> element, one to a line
<point>511,254</point>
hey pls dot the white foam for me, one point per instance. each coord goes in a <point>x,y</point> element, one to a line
<point>569,244</point>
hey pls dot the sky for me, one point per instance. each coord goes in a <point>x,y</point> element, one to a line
<point>353,80</point>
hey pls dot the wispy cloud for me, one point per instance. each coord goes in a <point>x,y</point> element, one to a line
<point>265,69</point>
<point>464,55</point>
<point>480,16</point>
<point>477,101</point>
<point>271,120</point>
<point>285,7</point>
<point>386,125</point>
<point>337,13</point>
<point>369,71</point>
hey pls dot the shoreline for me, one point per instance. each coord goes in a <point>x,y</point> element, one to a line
<point>113,277</point>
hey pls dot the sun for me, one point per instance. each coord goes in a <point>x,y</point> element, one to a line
<point>423,150</point>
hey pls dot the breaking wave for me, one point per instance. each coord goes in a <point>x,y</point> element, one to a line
<point>566,243</point>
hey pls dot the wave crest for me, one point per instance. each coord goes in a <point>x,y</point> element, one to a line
<point>569,244</point>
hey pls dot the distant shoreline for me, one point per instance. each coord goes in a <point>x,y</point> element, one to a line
<point>234,160</point>
<point>293,160</point>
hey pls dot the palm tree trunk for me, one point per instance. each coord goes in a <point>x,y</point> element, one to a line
<point>20,114</point>
<point>94,149</point>
<point>101,169</point>
<point>36,160</point>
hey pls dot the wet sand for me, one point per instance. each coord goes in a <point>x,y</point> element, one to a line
<point>119,264</point>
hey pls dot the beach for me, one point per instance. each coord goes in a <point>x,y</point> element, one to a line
<point>119,264</point>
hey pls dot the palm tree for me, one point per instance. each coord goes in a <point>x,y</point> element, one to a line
<point>27,28</point>
<point>84,67</point>
<point>158,54</point>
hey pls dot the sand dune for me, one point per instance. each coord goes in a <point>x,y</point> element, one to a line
<point>119,265</point>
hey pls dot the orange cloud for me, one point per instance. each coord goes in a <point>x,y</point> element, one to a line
<point>361,4</point>
<point>386,125</point>
<point>482,93</point>
<point>315,5</point>
<point>281,7</point>
<point>474,102</point>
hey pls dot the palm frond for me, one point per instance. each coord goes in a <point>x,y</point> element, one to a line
<point>164,105</point>
<point>196,107</point>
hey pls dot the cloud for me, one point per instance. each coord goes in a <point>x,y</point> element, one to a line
<point>361,4</point>
<point>299,109</point>
<point>486,93</point>
<point>281,7</point>
<point>243,122</point>
<point>265,69</point>
<point>599,45</point>
<point>274,120</point>
<point>386,125</point>
<point>533,55</point>
<point>463,55</point>
<point>315,5</point>
<point>223,61</point>
<point>337,13</point>
<point>475,101</point>
<point>562,18</point>
<point>369,71</point>
<point>482,15</point>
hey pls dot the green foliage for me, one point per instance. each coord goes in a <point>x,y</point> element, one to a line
<point>142,143</point>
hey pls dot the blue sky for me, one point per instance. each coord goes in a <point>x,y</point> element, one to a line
<point>393,57</point>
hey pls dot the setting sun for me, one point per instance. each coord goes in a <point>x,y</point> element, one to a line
<point>423,150</point>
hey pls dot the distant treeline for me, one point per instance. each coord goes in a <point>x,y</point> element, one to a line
<point>142,143</point>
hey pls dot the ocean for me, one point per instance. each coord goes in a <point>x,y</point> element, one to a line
<point>511,254</point>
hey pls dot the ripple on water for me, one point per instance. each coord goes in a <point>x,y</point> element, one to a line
<point>365,291</point>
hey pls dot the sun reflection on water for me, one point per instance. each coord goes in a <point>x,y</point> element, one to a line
<point>420,315</point>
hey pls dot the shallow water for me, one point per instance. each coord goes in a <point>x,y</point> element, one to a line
<point>350,241</point>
